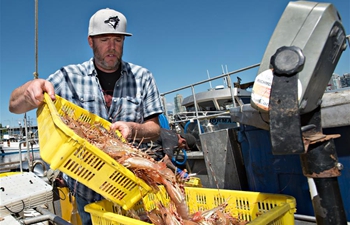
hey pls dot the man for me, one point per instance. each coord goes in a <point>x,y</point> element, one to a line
<point>121,92</point>
<point>169,142</point>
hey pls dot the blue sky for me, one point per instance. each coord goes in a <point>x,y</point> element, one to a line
<point>179,41</point>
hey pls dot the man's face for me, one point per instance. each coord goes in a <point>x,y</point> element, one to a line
<point>108,51</point>
<point>182,143</point>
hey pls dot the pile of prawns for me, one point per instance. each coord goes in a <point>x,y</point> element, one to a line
<point>154,173</point>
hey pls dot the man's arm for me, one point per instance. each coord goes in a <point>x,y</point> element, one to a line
<point>30,95</point>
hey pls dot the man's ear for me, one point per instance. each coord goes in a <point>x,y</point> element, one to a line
<point>90,41</point>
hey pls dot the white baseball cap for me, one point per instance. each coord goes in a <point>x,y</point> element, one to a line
<point>107,21</point>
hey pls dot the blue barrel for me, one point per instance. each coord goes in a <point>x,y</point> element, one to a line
<point>282,174</point>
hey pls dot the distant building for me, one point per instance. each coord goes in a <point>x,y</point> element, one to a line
<point>345,80</point>
<point>177,102</point>
<point>334,82</point>
<point>337,81</point>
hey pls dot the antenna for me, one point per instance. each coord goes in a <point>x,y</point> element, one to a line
<point>223,72</point>
<point>209,78</point>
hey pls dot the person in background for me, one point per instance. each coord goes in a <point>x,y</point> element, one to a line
<point>170,141</point>
<point>121,92</point>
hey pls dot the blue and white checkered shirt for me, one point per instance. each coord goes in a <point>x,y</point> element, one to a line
<point>135,97</point>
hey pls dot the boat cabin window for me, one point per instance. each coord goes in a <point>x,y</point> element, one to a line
<point>207,106</point>
<point>225,104</point>
<point>190,108</point>
<point>202,106</point>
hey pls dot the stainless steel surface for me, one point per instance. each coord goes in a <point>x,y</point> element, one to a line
<point>317,29</point>
<point>336,103</point>
<point>223,160</point>
<point>333,103</point>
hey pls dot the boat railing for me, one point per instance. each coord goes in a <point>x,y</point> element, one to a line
<point>27,143</point>
<point>186,116</point>
<point>199,115</point>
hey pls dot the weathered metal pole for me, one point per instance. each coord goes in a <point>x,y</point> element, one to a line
<point>290,136</point>
<point>320,162</point>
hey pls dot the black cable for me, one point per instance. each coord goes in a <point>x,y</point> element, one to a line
<point>18,211</point>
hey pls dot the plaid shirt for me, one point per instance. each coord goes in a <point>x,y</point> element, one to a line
<point>135,97</point>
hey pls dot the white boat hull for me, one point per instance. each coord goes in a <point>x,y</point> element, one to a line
<point>16,146</point>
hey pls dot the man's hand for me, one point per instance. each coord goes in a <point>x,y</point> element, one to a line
<point>30,95</point>
<point>34,93</point>
<point>124,129</point>
<point>145,132</point>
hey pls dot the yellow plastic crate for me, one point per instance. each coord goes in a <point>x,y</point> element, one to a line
<point>8,174</point>
<point>256,207</point>
<point>194,182</point>
<point>66,151</point>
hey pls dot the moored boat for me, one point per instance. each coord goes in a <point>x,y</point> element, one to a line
<point>14,145</point>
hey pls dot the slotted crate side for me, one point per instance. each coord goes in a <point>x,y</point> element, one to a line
<point>258,208</point>
<point>63,149</point>
<point>104,213</point>
<point>245,205</point>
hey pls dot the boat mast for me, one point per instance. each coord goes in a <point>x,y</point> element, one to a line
<point>36,75</point>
